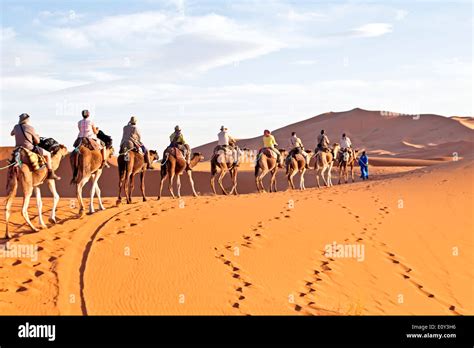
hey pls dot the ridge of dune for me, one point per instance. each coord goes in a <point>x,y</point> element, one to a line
<point>384,131</point>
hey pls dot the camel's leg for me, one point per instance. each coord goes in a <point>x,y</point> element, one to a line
<point>131,181</point>
<point>142,184</point>
<point>39,205</point>
<point>318,170</point>
<point>302,179</point>
<point>162,181</point>
<point>213,184</point>
<point>92,194</point>
<point>290,179</point>
<point>323,172</point>
<point>54,192</point>
<point>170,184</point>
<point>260,180</point>
<point>10,196</point>
<point>233,174</point>
<point>273,187</point>
<point>352,172</point>
<point>329,179</point>
<point>340,173</point>
<point>190,175</point>
<point>27,192</point>
<point>178,184</point>
<point>220,179</point>
<point>257,183</point>
<point>79,188</point>
<point>121,182</point>
<point>98,191</point>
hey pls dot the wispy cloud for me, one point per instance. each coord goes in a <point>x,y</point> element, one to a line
<point>372,30</point>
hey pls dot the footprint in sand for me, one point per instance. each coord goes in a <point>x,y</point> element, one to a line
<point>120,232</point>
<point>38,274</point>
<point>133,224</point>
<point>100,239</point>
<point>16,263</point>
<point>52,258</point>
<point>27,281</point>
<point>21,289</point>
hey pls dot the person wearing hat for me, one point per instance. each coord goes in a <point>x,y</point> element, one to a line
<point>296,147</point>
<point>226,142</point>
<point>131,139</point>
<point>323,142</point>
<point>177,140</point>
<point>87,129</point>
<point>270,142</point>
<point>26,136</point>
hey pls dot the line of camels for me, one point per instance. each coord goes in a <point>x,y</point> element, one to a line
<point>86,166</point>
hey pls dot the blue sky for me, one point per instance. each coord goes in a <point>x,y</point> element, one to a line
<point>248,65</point>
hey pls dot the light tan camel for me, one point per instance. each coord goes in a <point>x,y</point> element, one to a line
<point>174,166</point>
<point>130,164</point>
<point>265,164</point>
<point>347,159</point>
<point>86,165</point>
<point>295,164</point>
<point>31,181</point>
<point>324,161</point>
<point>226,163</point>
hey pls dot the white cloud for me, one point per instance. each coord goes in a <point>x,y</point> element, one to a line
<point>69,37</point>
<point>373,30</point>
<point>305,62</point>
<point>7,34</point>
<point>296,16</point>
<point>400,15</point>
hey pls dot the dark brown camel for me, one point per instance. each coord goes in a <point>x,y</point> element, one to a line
<point>174,165</point>
<point>130,164</point>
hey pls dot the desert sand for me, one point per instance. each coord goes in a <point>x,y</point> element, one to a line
<point>255,254</point>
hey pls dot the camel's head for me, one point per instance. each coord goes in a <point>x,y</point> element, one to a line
<point>62,150</point>
<point>153,155</point>
<point>110,152</point>
<point>198,156</point>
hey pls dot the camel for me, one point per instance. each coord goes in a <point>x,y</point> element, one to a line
<point>31,181</point>
<point>348,159</point>
<point>174,165</point>
<point>130,164</point>
<point>225,163</point>
<point>86,165</point>
<point>265,164</point>
<point>294,165</point>
<point>324,161</point>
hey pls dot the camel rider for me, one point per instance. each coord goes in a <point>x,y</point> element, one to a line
<point>323,142</point>
<point>226,142</point>
<point>88,130</point>
<point>296,147</point>
<point>26,136</point>
<point>131,139</point>
<point>177,140</point>
<point>346,144</point>
<point>270,143</point>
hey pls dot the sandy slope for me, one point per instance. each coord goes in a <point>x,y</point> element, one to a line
<point>169,258</point>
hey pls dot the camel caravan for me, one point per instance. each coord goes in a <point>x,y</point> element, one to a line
<point>35,160</point>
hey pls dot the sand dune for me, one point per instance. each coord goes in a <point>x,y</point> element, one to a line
<point>180,257</point>
<point>267,253</point>
<point>371,130</point>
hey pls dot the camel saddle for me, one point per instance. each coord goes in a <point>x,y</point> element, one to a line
<point>267,151</point>
<point>176,152</point>
<point>35,160</point>
<point>91,144</point>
